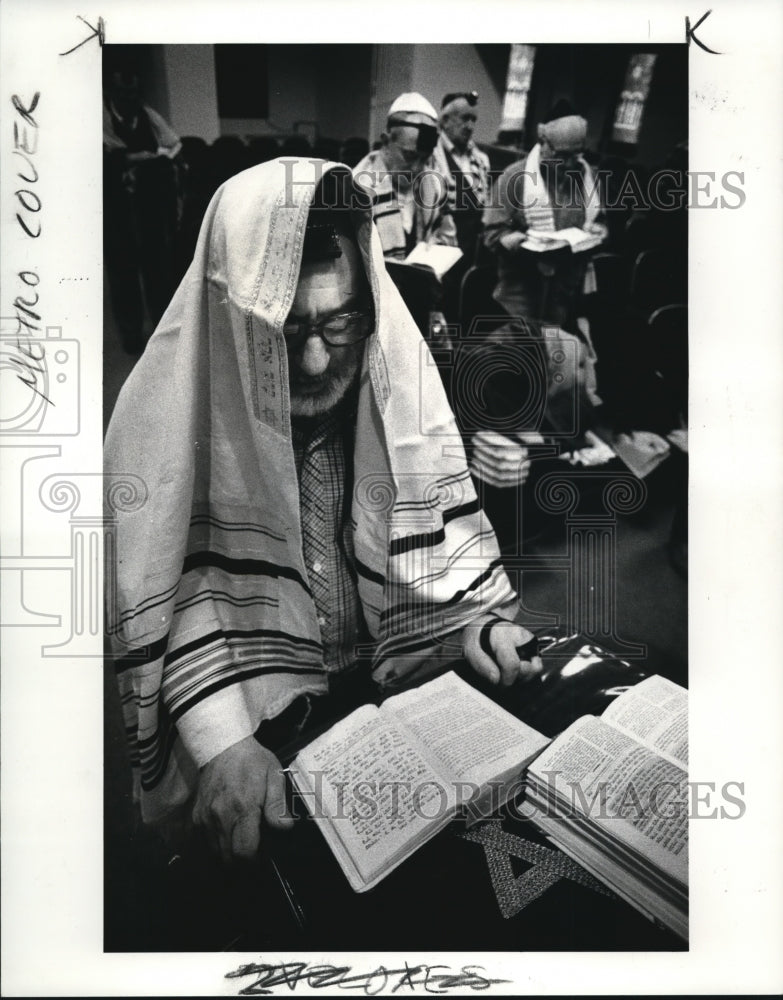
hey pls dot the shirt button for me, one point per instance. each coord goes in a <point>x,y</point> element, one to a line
<point>317,567</point>
<point>321,620</point>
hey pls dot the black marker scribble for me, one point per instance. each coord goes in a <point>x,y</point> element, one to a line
<point>27,113</point>
<point>690,33</point>
<point>26,146</point>
<point>30,367</point>
<point>99,32</point>
<point>379,980</point>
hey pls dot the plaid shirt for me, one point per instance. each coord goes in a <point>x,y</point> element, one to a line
<point>324,474</point>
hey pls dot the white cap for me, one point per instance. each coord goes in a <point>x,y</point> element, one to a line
<point>412,104</point>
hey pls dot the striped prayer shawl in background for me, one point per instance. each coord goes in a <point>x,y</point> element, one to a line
<point>210,609</point>
<point>433,222</point>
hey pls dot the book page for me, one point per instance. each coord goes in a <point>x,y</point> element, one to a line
<point>656,713</point>
<point>571,235</point>
<point>374,787</point>
<point>440,258</point>
<point>621,785</point>
<point>578,240</point>
<point>471,737</point>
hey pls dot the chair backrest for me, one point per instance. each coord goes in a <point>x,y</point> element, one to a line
<point>419,288</point>
<point>668,342</point>
<point>659,278</point>
<point>637,237</point>
<point>612,277</point>
<point>475,297</point>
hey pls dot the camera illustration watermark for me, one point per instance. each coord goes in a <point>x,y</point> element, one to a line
<point>502,373</point>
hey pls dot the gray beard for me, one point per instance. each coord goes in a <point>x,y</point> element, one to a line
<point>322,401</point>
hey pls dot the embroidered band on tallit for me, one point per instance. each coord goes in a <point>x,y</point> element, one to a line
<point>209,609</point>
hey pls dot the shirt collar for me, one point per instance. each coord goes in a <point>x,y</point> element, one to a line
<point>449,145</point>
<point>312,432</point>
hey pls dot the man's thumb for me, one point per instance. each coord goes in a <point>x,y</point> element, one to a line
<point>276,811</point>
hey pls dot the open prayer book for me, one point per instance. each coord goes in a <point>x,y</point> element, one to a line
<point>440,258</point>
<point>611,792</point>
<point>384,781</point>
<point>541,240</point>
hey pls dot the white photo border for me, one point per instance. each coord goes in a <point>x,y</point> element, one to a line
<point>52,904</point>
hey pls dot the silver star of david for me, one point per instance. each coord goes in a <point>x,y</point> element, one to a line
<point>514,892</point>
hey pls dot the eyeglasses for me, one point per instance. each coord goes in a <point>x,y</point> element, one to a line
<point>339,330</point>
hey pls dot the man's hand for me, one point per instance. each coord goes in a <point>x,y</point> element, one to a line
<point>238,788</point>
<point>504,666</point>
<point>597,228</point>
<point>140,156</point>
<point>499,460</point>
<point>513,241</point>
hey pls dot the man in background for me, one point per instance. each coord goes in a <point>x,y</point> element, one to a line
<point>410,197</point>
<point>466,167</point>
<point>551,188</point>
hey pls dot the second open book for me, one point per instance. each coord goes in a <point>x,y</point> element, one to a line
<point>612,793</point>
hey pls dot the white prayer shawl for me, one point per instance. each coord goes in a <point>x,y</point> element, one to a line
<point>536,203</point>
<point>209,608</point>
<point>537,206</point>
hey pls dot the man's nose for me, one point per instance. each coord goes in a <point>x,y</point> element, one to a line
<point>314,356</point>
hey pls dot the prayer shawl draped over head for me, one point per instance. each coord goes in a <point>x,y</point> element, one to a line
<point>536,202</point>
<point>566,134</point>
<point>209,606</point>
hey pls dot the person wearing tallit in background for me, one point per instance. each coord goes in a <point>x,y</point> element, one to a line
<point>551,188</point>
<point>302,528</point>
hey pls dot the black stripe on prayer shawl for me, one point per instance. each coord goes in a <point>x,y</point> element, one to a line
<point>141,656</point>
<point>132,738</point>
<point>242,567</point>
<point>258,633</point>
<point>224,597</point>
<point>451,562</point>
<point>368,573</point>
<point>199,519</point>
<point>387,211</point>
<point>155,751</point>
<point>235,678</point>
<point>390,648</point>
<point>429,539</point>
<point>405,609</point>
<point>433,500</point>
<point>147,604</point>
<point>379,199</point>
